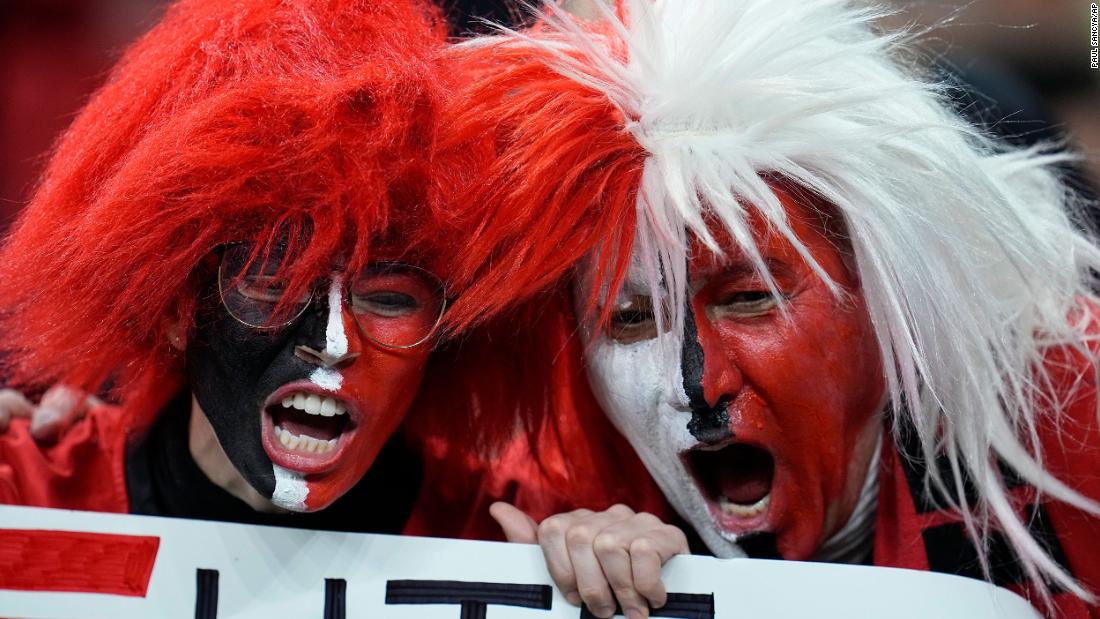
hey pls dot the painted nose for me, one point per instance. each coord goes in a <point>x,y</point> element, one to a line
<point>341,338</point>
<point>323,358</point>
<point>711,381</point>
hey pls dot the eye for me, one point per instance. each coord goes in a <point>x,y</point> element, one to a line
<point>261,288</point>
<point>746,303</point>
<point>633,321</point>
<point>389,304</point>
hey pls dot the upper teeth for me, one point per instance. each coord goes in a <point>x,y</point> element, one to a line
<point>314,404</point>
<point>744,511</point>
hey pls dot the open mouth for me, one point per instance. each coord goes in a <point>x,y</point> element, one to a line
<point>304,430</point>
<point>309,423</point>
<point>736,480</point>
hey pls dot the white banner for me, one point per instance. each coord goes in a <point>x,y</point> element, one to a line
<point>61,564</point>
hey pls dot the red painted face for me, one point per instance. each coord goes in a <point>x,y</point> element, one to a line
<point>375,389</point>
<point>303,409</point>
<point>777,419</point>
<point>803,390</point>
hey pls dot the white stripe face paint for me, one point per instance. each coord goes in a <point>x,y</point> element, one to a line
<point>336,339</point>
<point>291,489</point>
<point>640,387</point>
<point>327,379</point>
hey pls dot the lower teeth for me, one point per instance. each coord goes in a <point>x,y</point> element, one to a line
<point>304,443</point>
<point>730,508</point>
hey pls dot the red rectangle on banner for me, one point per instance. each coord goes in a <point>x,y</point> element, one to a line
<point>76,562</point>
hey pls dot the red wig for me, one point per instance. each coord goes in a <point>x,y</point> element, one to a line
<point>558,180</point>
<point>546,176</point>
<point>228,121</point>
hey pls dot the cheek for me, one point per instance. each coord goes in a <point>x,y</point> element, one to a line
<point>637,386</point>
<point>384,384</point>
<point>821,379</point>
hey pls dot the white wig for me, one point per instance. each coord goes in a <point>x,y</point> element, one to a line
<point>969,256</point>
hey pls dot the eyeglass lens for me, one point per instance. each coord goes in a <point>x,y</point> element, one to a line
<point>395,304</point>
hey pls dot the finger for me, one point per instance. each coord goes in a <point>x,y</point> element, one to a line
<point>612,550</point>
<point>517,526</point>
<point>13,404</point>
<point>592,585</point>
<point>648,553</point>
<point>59,408</point>
<point>551,536</point>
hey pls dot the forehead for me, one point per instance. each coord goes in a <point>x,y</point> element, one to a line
<point>815,225</point>
<point>305,249</point>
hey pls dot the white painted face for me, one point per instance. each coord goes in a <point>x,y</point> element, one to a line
<point>640,387</point>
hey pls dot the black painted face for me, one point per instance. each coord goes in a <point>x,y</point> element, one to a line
<point>233,369</point>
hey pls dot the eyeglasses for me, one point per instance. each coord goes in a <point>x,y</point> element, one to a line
<point>395,305</point>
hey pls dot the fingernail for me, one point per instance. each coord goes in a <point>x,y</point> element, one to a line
<point>604,611</point>
<point>634,613</point>
<point>574,598</point>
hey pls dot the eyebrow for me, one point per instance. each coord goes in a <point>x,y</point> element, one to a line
<point>741,267</point>
<point>733,269</point>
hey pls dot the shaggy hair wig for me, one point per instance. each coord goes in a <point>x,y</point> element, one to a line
<point>309,122</point>
<point>661,118</point>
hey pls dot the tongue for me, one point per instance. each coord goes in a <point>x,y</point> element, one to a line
<point>745,487</point>
<point>299,423</point>
<point>741,473</point>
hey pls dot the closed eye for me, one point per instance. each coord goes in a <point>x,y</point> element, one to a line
<point>260,288</point>
<point>746,303</point>
<point>388,304</point>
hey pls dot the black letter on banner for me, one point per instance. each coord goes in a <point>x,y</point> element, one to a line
<point>473,597</point>
<point>679,605</point>
<point>206,594</point>
<point>336,590</point>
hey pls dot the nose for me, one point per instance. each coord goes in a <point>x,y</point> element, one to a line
<point>323,359</point>
<point>711,379</point>
<point>341,338</point>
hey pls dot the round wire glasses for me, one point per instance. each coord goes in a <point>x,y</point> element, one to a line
<point>395,305</point>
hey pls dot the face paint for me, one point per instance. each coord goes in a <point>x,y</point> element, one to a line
<point>301,411</point>
<point>336,340</point>
<point>709,423</point>
<point>640,386</point>
<point>753,424</point>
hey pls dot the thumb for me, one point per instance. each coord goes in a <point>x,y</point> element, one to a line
<point>517,526</point>
<point>13,404</point>
<point>59,408</point>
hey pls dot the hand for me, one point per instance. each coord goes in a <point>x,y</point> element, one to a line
<point>59,408</point>
<point>591,555</point>
<point>13,404</point>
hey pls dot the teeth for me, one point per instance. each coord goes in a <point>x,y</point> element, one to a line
<point>304,442</point>
<point>730,508</point>
<point>313,404</point>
